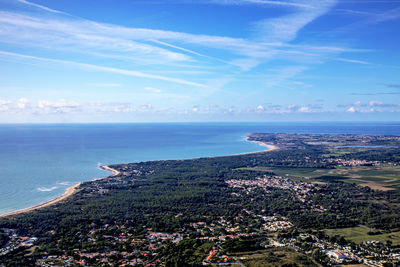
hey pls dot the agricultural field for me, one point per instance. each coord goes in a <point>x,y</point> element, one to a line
<point>376,177</point>
<point>360,234</point>
<point>274,257</point>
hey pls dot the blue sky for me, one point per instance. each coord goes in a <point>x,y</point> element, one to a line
<point>203,60</point>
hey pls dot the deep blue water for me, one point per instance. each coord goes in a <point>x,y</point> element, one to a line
<point>38,162</point>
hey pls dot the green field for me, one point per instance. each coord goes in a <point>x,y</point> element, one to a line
<point>360,234</point>
<point>376,177</point>
<point>273,257</point>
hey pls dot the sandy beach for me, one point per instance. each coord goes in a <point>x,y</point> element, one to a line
<point>73,189</point>
<point>108,168</point>
<point>69,192</point>
<point>270,147</point>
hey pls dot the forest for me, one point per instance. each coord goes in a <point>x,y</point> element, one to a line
<point>121,213</point>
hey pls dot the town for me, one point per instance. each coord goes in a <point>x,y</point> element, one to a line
<point>290,206</point>
<point>276,231</point>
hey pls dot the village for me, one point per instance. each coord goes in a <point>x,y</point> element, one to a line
<point>144,251</point>
<point>15,241</point>
<point>132,250</point>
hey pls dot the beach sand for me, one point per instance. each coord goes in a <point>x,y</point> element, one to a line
<point>69,192</point>
<point>73,189</point>
<point>108,168</point>
<point>270,147</point>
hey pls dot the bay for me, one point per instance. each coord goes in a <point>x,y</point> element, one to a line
<point>39,161</point>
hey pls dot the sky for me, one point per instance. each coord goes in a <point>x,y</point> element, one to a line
<point>199,60</point>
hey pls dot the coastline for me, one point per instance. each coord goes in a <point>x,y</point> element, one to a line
<point>108,168</point>
<point>69,192</point>
<point>73,189</point>
<point>271,147</point>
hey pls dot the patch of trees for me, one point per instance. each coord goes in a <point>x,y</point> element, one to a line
<point>4,238</point>
<point>154,193</point>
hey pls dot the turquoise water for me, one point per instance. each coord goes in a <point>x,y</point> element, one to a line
<point>38,162</point>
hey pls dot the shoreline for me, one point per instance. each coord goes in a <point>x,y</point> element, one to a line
<point>108,168</point>
<point>74,189</point>
<point>68,192</point>
<point>271,147</point>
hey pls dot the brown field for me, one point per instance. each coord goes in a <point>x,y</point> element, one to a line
<point>273,257</point>
<point>359,234</point>
<point>375,177</point>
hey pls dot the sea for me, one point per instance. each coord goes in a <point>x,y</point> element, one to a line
<point>38,162</point>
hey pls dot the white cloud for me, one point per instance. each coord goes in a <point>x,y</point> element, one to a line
<point>4,102</point>
<point>40,7</point>
<point>79,35</point>
<point>23,103</point>
<point>195,109</point>
<point>5,105</point>
<point>108,107</point>
<point>183,49</point>
<point>355,12</point>
<point>284,29</point>
<point>57,104</point>
<point>260,108</point>
<point>140,44</point>
<point>145,107</point>
<point>61,106</point>
<point>371,107</point>
<point>124,109</point>
<point>376,103</point>
<point>102,104</point>
<point>272,40</point>
<point>298,109</point>
<point>278,109</point>
<point>351,110</point>
<point>304,110</point>
<point>353,61</point>
<point>102,68</point>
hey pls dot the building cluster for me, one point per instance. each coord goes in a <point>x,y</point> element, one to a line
<point>276,223</point>
<point>300,189</point>
<point>371,253</point>
<point>353,162</point>
<point>131,250</point>
<point>126,249</point>
<point>216,257</point>
<point>16,241</point>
